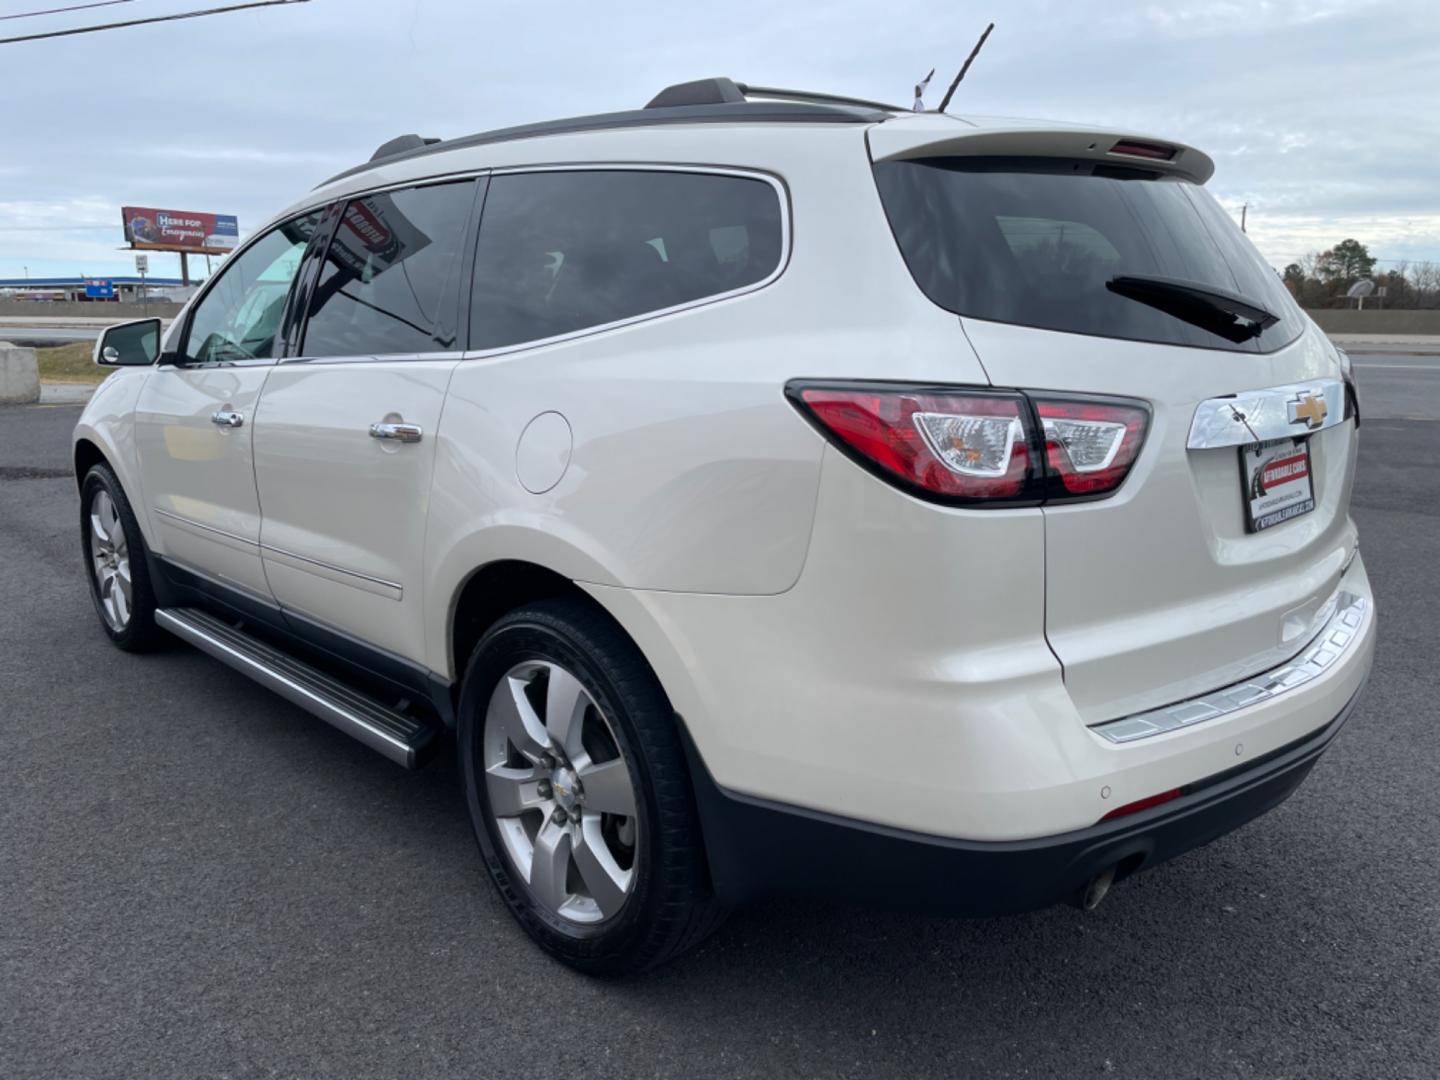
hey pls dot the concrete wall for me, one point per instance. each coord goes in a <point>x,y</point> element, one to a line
<point>1352,321</point>
<point>19,375</point>
<point>109,312</point>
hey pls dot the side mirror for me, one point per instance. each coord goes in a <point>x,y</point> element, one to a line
<point>129,344</point>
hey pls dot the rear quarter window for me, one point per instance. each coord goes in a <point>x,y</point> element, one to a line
<point>1035,242</point>
<point>571,250</point>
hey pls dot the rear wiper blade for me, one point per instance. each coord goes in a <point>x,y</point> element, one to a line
<point>1228,314</point>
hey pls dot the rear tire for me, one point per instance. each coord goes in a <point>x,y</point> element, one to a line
<point>115,561</point>
<point>604,890</point>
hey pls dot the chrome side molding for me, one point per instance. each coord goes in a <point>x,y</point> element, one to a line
<point>1276,412</point>
<point>1342,617</point>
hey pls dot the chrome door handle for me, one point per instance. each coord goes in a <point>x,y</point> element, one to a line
<point>405,433</point>
<point>225,418</point>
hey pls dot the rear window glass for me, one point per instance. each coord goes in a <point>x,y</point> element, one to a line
<point>568,250</point>
<point>1040,242</point>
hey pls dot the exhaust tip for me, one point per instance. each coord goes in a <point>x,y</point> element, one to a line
<point>1096,889</point>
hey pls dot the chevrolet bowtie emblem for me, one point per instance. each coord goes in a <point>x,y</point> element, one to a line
<point>1308,409</point>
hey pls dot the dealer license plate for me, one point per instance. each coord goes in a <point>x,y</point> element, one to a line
<point>1276,475</point>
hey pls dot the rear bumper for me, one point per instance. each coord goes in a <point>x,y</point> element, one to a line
<point>757,848</point>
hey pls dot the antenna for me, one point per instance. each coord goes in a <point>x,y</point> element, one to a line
<point>920,91</point>
<point>968,61</point>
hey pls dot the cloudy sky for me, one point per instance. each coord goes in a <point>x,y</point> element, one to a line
<point>1323,115</point>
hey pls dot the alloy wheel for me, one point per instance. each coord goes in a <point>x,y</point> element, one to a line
<point>561,794</point>
<point>110,561</point>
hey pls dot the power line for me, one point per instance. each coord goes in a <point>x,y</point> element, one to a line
<point>62,10</point>
<point>151,19</point>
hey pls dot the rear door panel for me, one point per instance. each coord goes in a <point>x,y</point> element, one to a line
<point>1158,592</point>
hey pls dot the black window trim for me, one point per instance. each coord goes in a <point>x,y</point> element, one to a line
<point>782,192</point>
<point>177,358</point>
<point>459,310</point>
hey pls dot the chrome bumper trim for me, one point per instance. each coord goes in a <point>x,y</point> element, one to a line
<point>1341,627</point>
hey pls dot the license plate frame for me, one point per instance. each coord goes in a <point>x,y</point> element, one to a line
<point>1276,482</point>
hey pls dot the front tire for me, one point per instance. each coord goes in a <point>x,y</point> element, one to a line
<point>115,558</point>
<point>579,793</point>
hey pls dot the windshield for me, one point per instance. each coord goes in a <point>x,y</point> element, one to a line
<point>1037,241</point>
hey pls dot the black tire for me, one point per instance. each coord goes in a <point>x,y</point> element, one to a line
<point>671,906</point>
<point>139,633</point>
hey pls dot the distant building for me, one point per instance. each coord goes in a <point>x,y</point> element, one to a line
<point>127,288</point>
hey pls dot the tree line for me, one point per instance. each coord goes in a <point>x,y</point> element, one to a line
<point>1321,279</point>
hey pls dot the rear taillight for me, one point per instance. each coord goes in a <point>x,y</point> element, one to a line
<point>958,446</point>
<point>1090,445</point>
<point>978,446</point>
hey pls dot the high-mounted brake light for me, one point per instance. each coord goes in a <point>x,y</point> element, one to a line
<point>1136,148</point>
<point>979,446</point>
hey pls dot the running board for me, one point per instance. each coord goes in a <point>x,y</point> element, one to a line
<point>400,738</point>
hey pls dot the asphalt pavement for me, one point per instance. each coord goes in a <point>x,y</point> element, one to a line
<point>199,880</point>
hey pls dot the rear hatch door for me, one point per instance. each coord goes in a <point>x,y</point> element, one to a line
<point>1077,268</point>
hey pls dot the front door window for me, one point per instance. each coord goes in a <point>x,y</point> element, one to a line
<point>238,317</point>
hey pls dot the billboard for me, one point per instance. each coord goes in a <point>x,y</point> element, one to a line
<point>180,230</point>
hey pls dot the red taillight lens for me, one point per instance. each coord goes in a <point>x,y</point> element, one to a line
<point>1143,804</point>
<point>961,446</point>
<point>980,446</point>
<point>1090,445</point>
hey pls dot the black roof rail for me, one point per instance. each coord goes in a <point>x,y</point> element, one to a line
<point>718,91</point>
<point>815,96</point>
<point>401,144</point>
<point>729,112</point>
<point>723,91</point>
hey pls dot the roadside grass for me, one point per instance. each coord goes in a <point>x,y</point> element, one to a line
<point>70,364</point>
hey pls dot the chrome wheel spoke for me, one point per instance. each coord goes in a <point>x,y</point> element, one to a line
<point>99,537</point>
<point>608,884</point>
<point>513,791</point>
<point>550,865</point>
<point>565,705</point>
<point>120,598</point>
<point>522,727</point>
<point>608,787</point>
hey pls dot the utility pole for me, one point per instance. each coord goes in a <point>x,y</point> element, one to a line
<point>1245,207</point>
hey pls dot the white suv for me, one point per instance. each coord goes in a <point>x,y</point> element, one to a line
<point>771,491</point>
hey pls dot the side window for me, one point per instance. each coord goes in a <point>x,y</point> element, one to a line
<point>387,273</point>
<point>563,251</point>
<point>239,315</point>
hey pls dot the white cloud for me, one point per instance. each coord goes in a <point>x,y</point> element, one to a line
<point>1323,115</point>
